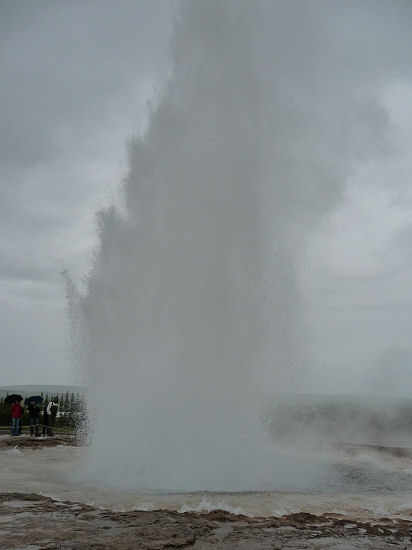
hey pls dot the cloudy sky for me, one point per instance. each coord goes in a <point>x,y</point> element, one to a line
<point>360,266</point>
<point>75,80</point>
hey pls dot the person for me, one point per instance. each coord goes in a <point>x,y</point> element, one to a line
<point>34,411</point>
<point>52,411</point>
<point>45,420</point>
<point>16,415</point>
<point>21,420</point>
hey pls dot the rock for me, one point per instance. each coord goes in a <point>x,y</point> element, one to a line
<point>26,441</point>
<point>34,521</point>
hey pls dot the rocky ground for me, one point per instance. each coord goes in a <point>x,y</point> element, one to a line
<point>26,441</point>
<point>30,522</point>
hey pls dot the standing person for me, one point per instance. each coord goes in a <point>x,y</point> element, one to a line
<point>52,410</point>
<point>34,411</point>
<point>16,414</point>
<point>45,420</point>
<point>21,419</point>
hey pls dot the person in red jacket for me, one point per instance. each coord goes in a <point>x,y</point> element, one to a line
<point>16,414</point>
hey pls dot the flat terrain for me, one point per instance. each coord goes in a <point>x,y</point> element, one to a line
<point>32,522</point>
<point>29,521</point>
<point>26,441</point>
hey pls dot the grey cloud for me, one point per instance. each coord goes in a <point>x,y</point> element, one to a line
<point>63,63</point>
<point>73,76</point>
<point>402,239</point>
<point>72,79</point>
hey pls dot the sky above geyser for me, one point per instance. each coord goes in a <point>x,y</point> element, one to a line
<point>75,79</point>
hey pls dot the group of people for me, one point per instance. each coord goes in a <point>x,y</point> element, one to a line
<point>50,413</point>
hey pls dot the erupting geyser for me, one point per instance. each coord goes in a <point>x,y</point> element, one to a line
<point>192,306</point>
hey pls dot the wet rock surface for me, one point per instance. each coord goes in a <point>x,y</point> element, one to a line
<point>30,521</point>
<point>28,442</point>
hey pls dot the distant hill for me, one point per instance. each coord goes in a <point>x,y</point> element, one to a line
<point>33,389</point>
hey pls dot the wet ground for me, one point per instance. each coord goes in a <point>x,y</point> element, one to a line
<point>29,442</point>
<point>41,507</point>
<point>33,522</point>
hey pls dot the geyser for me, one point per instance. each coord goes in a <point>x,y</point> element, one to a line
<point>192,310</point>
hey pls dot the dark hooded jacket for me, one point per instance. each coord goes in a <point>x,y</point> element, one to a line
<point>34,411</point>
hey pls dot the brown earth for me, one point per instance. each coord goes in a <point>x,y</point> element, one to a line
<point>26,441</point>
<point>31,522</point>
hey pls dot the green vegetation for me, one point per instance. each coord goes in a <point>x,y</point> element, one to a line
<point>71,410</point>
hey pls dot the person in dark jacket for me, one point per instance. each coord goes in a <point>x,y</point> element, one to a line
<point>16,414</point>
<point>45,420</point>
<point>34,412</point>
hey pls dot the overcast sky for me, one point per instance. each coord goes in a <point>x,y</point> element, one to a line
<point>75,77</point>
<point>360,290</point>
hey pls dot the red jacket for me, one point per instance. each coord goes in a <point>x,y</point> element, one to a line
<point>16,411</point>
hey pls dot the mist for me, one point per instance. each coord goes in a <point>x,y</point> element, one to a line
<point>194,310</point>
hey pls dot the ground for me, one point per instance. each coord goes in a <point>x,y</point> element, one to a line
<point>8,442</point>
<point>31,522</point>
